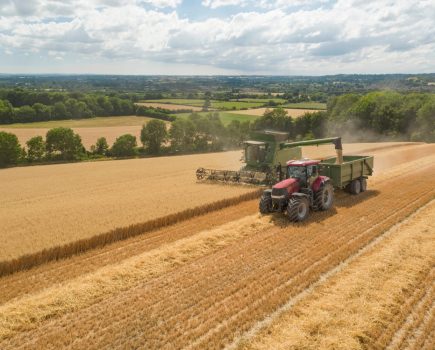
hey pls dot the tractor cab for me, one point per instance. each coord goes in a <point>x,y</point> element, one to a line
<point>305,170</point>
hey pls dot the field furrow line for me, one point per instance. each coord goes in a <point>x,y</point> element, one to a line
<point>415,318</point>
<point>422,334</point>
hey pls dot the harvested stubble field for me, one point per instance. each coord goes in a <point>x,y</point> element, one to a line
<point>231,278</point>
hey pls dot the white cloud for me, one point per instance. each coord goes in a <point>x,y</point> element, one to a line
<point>221,3</point>
<point>348,36</point>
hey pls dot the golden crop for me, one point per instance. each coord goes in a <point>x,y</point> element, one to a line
<point>210,280</point>
<point>44,207</point>
<point>203,290</point>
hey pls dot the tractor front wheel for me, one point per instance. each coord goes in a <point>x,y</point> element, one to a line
<point>265,204</point>
<point>298,209</point>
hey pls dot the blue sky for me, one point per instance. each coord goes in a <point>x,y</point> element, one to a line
<point>278,37</point>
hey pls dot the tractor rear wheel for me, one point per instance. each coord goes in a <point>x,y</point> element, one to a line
<point>324,197</point>
<point>363,184</point>
<point>265,204</point>
<point>298,209</point>
<point>355,187</point>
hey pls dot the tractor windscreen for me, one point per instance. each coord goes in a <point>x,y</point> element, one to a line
<point>296,172</point>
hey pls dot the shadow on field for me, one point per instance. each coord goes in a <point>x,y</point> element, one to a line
<point>281,220</point>
<point>342,200</point>
<point>347,200</point>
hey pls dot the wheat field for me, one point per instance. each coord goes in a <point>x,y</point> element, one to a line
<point>232,278</point>
<point>43,206</point>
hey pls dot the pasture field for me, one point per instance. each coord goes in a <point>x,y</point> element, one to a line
<point>225,105</point>
<point>293,112</point>
<point>355,277</point>
<point>262,100</point>
<point>306,105</point>
<point>235,105</point>
<point>171,106</point>
<point>177,101</point>
<point>227,116</point>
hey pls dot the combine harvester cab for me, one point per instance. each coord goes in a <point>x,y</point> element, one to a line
<point>309,184</point>
<point>264,159</point>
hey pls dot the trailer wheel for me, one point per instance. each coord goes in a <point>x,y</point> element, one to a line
<point>355,187</point>
<point>363,184</point>
<point>298,209</point>
<point>265,204</point>
<point>324,197</point>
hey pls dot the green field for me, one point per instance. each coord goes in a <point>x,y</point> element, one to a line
<point>305,105</point>
<point>262,100</point>
<point>228,105</point>
<point>228,117</point>
<point>178,101</point>
<point>235,105</point>
<point>225,117</point>
<point>82,123</point>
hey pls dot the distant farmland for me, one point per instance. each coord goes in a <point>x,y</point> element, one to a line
<point>170,106</point>
<point>293,112</point>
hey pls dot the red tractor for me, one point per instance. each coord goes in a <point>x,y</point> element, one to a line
<point>303,189</point>
<point>309,184</point>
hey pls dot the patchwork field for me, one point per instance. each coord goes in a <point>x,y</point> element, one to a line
<point>356,277</point>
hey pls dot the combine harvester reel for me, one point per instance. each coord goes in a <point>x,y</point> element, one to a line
<point>233,176</point>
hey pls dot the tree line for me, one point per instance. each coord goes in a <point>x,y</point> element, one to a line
<point>196,133</point>
<point>376,116</point>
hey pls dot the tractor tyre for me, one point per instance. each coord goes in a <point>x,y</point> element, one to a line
<point>324,197</point>
<point>363,184</point>
<point>265,204</point>
<point>298,209</point>
<point>355,187</point>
